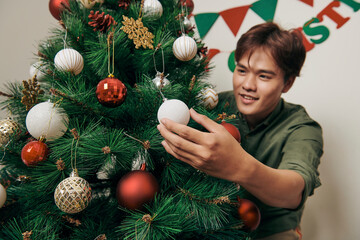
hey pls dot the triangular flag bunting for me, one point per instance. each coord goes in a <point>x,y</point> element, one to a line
<point>234,17</point>
<point>204,21</point>
<point>211,53</point>
<point>265,9</point>
<point>308,2</point>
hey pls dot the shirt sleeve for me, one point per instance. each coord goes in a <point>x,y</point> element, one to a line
<point>301,153</point>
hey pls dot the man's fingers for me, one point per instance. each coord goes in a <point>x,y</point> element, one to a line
<point>203,120</point>
<point>170,149</point>
<point>185,132</point>
<point>179,141</point>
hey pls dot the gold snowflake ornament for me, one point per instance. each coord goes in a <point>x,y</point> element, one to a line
<point>138,33</point>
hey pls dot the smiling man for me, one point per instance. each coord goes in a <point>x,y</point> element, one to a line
<point>281,146</point>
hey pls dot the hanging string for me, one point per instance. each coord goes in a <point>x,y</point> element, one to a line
<point>186,9</point>
<point>141,7</point>
<point>163,59</point>
<point>73,160</point>
<point>140,160</point>
<point>182,28</point>
<point>65,38</point>
<point>109,39</point>
<point>181,19</point>
<point>162,73</point>
<point>162,95</point>
<point>146,144</point>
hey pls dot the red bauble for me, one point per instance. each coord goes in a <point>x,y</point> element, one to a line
<point>111,92</point>
<point>56,7</point>
<point>34,152</point>
<point>232,130</point>
<point>249,213</point>
<point>136,188</point>
<point>189,4</point>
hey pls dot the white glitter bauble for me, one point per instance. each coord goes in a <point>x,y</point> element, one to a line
<point>8,127</point>
<point>39,70</point>
<point>153,9</point>
<point>187,23</point>
<point>160,84</point>
<point>184,48</point>
<point>69,60</point>
<point>175,110</point>
<point>48,121</point>
<point>73,194</point>
<point>2,195</point>
<point>208,98</point>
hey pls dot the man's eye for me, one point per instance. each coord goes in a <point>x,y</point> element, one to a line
<point>242,71</point>
<point>265,77</point>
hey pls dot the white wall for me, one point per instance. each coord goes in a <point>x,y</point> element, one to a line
<point>23,24</point>
<point>328,88</point>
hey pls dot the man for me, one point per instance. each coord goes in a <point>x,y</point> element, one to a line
<point>281,145</point>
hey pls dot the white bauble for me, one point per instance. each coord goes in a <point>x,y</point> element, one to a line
<point>69,60</point>
<point>153,9</point>
<point>48,121</point>
<point>175,110</point>
<point>39,70</point>
<point>2,195</point>
<point>184,48</point>
<point>88,3</point>
<point>160,84</point>
<point>208,98</point>
<point>91,3</point>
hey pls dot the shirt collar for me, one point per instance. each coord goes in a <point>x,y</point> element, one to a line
<point>270,118</point>
<point>274,113</point>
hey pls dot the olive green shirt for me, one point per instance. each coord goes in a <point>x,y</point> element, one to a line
<point>287,139</point>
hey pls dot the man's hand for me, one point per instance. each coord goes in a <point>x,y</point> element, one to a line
<point>212,152</point>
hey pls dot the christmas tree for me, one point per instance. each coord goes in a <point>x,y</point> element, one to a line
<point>81,154</point>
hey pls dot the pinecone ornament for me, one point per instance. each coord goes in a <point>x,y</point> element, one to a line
<point>100,21</point>
<point>124,4</point>
<point>31,93</point>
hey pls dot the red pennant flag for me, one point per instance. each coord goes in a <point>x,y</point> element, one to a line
<point>234,17</point>
<point>308,2</point>
<point>211,53</point>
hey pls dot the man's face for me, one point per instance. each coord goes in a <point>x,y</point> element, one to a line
<point>258,84</point>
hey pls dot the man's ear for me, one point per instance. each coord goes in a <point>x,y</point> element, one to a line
<point>289,83</point>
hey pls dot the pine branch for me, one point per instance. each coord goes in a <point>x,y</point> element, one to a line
<point>6,95</point>
<point>80,104</point>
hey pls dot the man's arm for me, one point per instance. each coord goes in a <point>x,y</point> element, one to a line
<point>218,154</point>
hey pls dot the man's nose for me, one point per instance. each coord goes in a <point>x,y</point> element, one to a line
<point>249,83</point>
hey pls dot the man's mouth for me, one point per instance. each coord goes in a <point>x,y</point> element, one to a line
<point>247,97</point>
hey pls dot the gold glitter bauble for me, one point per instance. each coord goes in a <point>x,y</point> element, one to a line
<point>8,127</point>
<point>73,194</point>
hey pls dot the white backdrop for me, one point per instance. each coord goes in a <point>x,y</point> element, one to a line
<point>328,88</point>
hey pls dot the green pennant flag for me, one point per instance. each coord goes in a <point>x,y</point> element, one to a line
<point>204,21</point>
<point>265,9</point>
<point>231,61</point>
